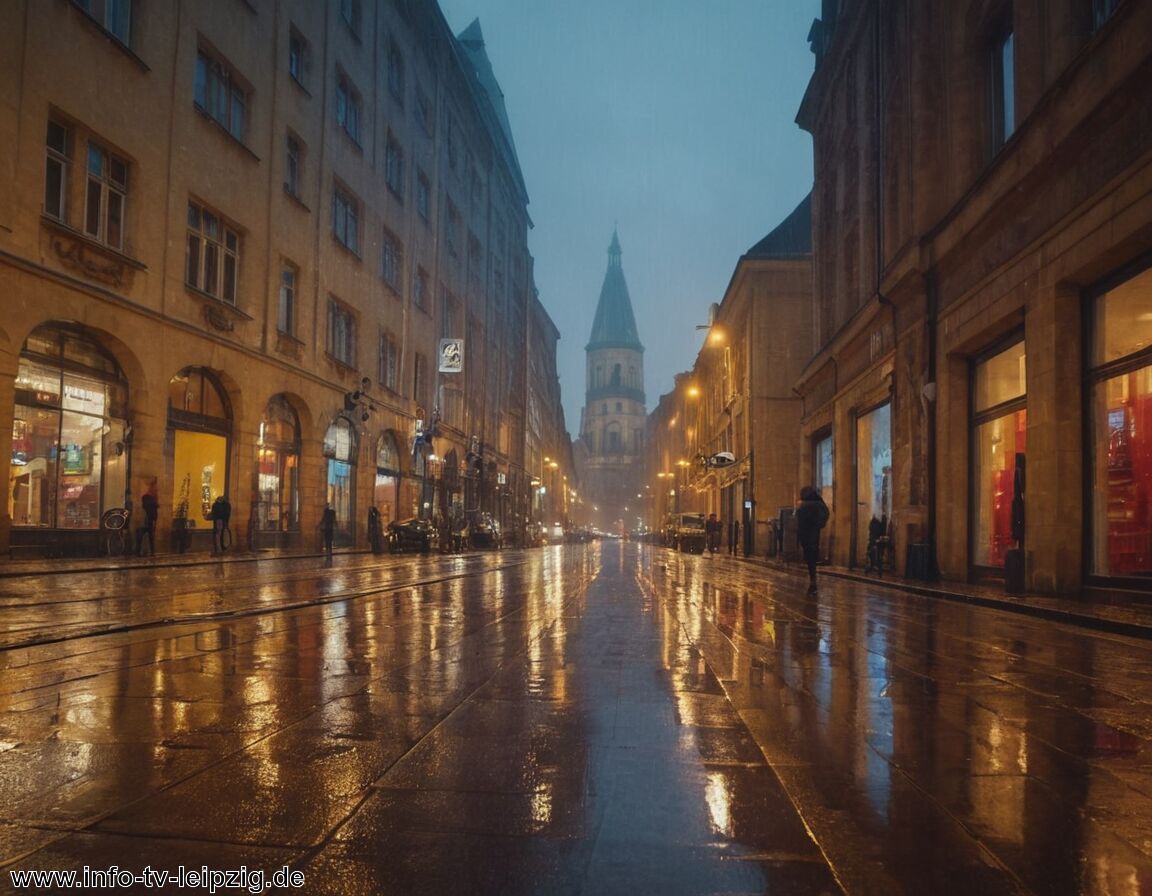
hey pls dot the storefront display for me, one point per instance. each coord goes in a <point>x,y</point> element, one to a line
<point>69,448</point>
<point>999,426</point>
<point>340,452</point>
<point>873,475</point>
<point>277,468</point>
<point>1122,427</point>
<point>201,427</point>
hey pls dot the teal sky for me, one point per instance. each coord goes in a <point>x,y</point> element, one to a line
<point>672,120</point>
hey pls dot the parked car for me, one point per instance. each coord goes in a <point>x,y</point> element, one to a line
<point>483,531</point>
<point>685,533</point>
<point>412,535</point>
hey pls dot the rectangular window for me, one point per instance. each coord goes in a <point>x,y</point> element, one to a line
<point>348,106</point>
<point>57,167</point>
<point>389,362</point>
<point>822,468</point>
<point>999,431</point>
<point>213,254</point>
<point>350,12</point>
<point>1121,396</point>
<point>391,260</point>
<point>341,333</point>
<point>420,288</point>
<point>106,197</point>
<point>419,379</point>
<point>1102,11</point>
<point>1003,88</point>
<point>396,73</point>
<point>424,111</point>
<point>452,229</point>
<point>346,220</point>
<point>423,196</point>
<point>298,53</point>
<point>293,165</point>
<point>220,95</point>
<point>114,16</point>
<point>286,315</point>
<point>394,168</point>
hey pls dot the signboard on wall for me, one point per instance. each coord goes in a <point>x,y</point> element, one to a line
<point>451,355</point>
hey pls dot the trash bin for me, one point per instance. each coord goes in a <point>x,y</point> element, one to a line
<point>1014,571</point>
<point>918,562</point>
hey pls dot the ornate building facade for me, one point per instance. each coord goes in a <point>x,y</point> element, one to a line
<point>276,251</point>
<point>610,451</point>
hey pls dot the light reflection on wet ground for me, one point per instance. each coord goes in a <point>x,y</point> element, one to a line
<point>601,719</point>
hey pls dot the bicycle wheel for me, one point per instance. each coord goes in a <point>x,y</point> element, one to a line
<point>225,538</point>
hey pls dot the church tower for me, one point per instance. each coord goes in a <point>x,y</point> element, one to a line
<point>612,423</point>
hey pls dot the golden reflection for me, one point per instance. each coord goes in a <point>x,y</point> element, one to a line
<point>719,801</point>
<point>542,804</point>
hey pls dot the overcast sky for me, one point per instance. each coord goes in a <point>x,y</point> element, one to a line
<point>672,120</point>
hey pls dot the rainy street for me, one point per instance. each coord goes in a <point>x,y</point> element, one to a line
<point>593,719</point>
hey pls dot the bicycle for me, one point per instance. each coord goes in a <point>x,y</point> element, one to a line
<point>115,533</point>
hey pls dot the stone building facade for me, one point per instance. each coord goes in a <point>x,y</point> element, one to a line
<point>982,218</point>
<point>738,397</point>
<point>272,250</point>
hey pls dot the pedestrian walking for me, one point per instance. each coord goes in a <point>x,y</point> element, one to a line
<point>221,515</point>
<point>811,516</point>
<point>150,506</point>
<point>328,531</point>
<point>734,538</point>
<point>712,532</point>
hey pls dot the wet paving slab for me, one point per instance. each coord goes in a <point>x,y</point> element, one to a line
<point>591,719</point>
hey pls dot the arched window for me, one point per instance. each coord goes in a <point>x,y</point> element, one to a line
<point>69,447</point>
<point>387,492</point>
<point>200,423</point>
<point>340,450</point>
<point>278,468</point>
<point>615,375</point>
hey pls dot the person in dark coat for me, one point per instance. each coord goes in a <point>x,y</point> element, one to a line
<point>220,515</point>
<point>328,531</point>
<point>150,504</point>
<point>811,516</point>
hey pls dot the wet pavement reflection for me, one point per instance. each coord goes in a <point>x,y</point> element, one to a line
<point>610,718</point>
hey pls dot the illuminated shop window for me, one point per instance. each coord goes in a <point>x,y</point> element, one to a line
<point>999,426</point>
<point>278,468</point>
<point>69,447</point>
<point>340,451</point>
<point>200,427</point>
<point>1121,397</point>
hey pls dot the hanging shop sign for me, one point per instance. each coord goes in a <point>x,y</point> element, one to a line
<point>451,355</point>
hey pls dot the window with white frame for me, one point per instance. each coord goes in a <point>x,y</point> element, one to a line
<point>58,166</point>
<point>293,165</point>
<point>114,16</point>
<point>391,260</point>
<point>346,219</point>
<point>348,106</point>
<point>286,313</point>
<point>341,333</point>
<point>394,167</point>
<point>423,196</point>
<point>388,374</point>
<point>299,53</point>
<point>105,196</point>
<point>220,94</point>
<point>213,254</point>
<point>396,73</point>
